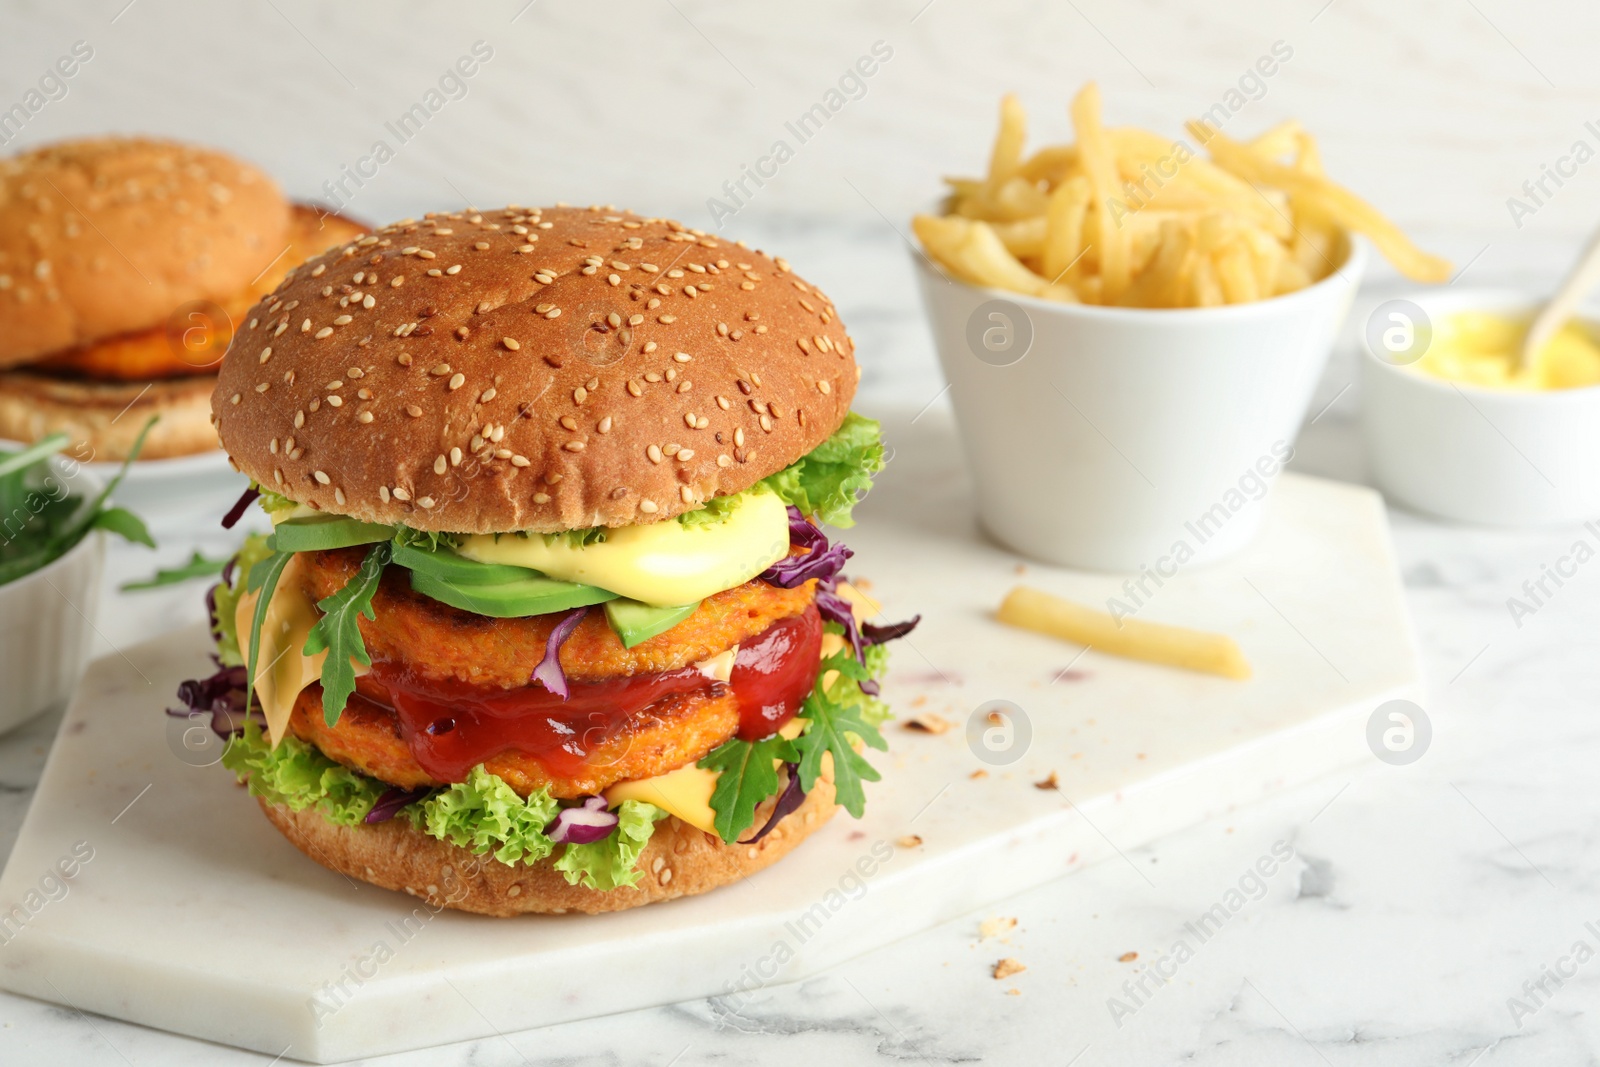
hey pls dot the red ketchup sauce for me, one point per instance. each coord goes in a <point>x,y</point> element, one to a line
<point>451,728</point>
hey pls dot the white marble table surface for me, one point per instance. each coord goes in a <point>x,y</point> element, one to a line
<point>1423,899</point>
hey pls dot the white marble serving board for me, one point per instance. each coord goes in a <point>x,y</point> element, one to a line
<point>194,915</point>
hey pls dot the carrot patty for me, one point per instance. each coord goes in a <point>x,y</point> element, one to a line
<point>668,734</point>
<point>440,643</point>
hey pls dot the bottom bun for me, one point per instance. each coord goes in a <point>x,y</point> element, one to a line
<point>679,861</point>
<point>108,415</point>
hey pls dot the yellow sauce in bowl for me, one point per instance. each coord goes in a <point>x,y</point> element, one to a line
<point>1481,348</point>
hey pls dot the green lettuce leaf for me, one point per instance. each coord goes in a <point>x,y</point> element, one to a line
<point>271,502</point>
<point>481,814</point>
<point>298,776</point>
<point>826,483</point>
<point>607,864</point>
<point>227,597</point>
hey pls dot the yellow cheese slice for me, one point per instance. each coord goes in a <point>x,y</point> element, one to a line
<point>662,563</point>
<point>282,670</point>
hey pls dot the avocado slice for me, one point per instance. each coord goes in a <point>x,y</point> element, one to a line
<point>636,622</point>
<point>509,600</point>
<point>321,532</point>
<point>458,569</point>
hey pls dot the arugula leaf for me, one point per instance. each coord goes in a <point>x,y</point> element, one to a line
<point>263,580</point>
<point>748,777</point>
<point>339,632</point>
<point>837,713</point>
<point>126,525</point>
<point>827,481</point>
<point>197,567</point>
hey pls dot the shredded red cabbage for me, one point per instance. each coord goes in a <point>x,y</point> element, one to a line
<point>222,695</point>
<point>584,824</point>
<point>821,561</point>
<point>788,800</point>
<point>236,512</point>
<point>874,634</point>
<point>836,609</point>
<point>549,673</point>
<point>393,800</point>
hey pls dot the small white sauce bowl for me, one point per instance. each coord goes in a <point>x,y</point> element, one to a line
<point>1111,438</point>
<point>1477,455</point>
<point>47,618</point>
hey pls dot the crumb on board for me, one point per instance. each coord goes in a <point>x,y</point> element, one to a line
<point>1013,992</point>
<point>995,926</point>
<point>928,723</point>
<point>909,841</point>
<point>979,773</point>
<point>1127,957</point>
<point>1048,782</point>
<point>1007,967</point>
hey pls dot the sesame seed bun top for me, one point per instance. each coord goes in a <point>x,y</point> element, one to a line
<point>537,369</point>
<point>112,234</point>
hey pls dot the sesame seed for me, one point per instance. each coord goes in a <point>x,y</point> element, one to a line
<point>519,461</point>
<point>554,313</point>
<point>685,455</point>
<point>425,502</point>
<point>766,423</point>
<point>634,388</point>
<point>738,437</point>
<point>423,253</point>
<point>401,494</point>
<point>414,411</point>
<point>511,342</point>
<point>568,422</point>
<point>462,332</point>
<point>805,346</point>
<point>482,245</point>
<point>649,346</point>
<point>335,384</point>
<point>321,477</point>
<point>654,453</point>
<point>404,359</point>
<point>365,416</point>
<point>724,460</point>
<point>685,385</point>
<point>573,446</point>
<point>634,320</point>
<point>691,292</point>
<point>502,453</point>
<point>299,419</point>
<point>667,320</point>
<point>326,331</point>
<point>455,457</point>
<point>487,395</point>
<point>338,495</point>
<point>369,302</point>
<point>457,380</point>
<point>687,494</point>
<point>266,354</point>
<point>541,498</point>
<point>383,493</point>
<point>454,269</point>
<point>335,401</point>
<point>263,387</point>
<point>579,395</point>
<point>342,320</point>
<point>316,272</point>
<point>824,387</point>
<point>604,425</point>
<point>681,357</point>
<point>440,369</point>
<point>722,328</point>
<point>439,464</point>
<point>397,281</point>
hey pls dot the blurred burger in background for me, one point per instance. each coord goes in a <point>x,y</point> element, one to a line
<point>125,266</point>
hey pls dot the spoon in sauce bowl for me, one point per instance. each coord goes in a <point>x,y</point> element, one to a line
<point>1574,287</point>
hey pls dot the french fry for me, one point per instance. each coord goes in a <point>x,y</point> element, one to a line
<point>1100,167</point>
<point>1006,156</point>
<point>1341,205</point>
<point>1064,232</point>
<point>1174,646</point>
<point>972,251</point>
<point>1259,216</point>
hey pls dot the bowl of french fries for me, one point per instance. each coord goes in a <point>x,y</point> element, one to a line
<point>1132,328</point>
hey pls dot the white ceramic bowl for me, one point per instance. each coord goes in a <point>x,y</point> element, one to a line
<point>1116,438</point>
<point>1480,455</point>
<point>47,620</point>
